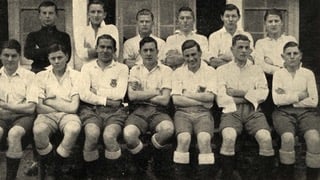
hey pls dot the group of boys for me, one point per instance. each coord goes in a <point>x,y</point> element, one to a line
<point>182,69</point>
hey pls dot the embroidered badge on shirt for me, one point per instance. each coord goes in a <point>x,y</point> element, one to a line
<point>113,83</point>
<point>201,89</point>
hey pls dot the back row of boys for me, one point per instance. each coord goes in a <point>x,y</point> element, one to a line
<point>239,88</point>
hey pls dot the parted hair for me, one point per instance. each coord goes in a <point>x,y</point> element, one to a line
<point>190,44</point>
<point>239,37</point>
<point>291,44</point>
<point>11,44</point>
<point>231,7</point>
<point>273,11</point>
<point>148,40</point>
<point>107,36</point>
<point>144,12</point>
<point>48,4</point>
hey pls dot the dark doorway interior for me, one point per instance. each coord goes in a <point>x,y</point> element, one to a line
<point>208,16</point>
<point>310,35</point>
<point>4,20</point>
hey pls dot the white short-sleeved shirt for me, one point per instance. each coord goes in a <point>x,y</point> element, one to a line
<point>272,48</point>
<point>303,80</point>
<point>204,80</point>
<point>17,88</point>
<point>220,42</point>
<point>99,84</point>
<point>249,78</point>
<point>65,88</point>
<point>158,78</point>
<point>131,47</point>
<point>174,42</point>
<point>88,36</point>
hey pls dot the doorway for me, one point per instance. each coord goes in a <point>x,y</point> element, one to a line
<point>208,16</point>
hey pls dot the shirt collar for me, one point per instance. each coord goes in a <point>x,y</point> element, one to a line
<point>238,31</point>
<point>272,39</point>
<point>49,28</point>
<point>113,63</point>
<point>102,24</point>
<point>158,66</point>
<point>68,69</point>
<point>17,73</point>
<point>151,35</point>
<point>178,32</point>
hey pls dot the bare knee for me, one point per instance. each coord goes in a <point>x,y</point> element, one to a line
<point>165,128</point>
<point>204,142</point>
<point>131,133</point>
<point>15,134</point>
<point>40,129</point>
<point>73,129</point>
<point>229,136</point>
<point>184,140</point>
<point>287,142</point>
<point>313,141</point>
<point>204,139</point>
<point>92,133</point>
<point>263,137</point>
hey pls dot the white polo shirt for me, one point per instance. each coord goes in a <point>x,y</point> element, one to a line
<point>99,84</point>
<point>17,88</point>
<point>303,80</point>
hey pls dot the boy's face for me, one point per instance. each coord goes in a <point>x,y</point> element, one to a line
<point>96,14</point>
<point>241,50</point>
<point>185,20</point>
<point>47,16</point>
<point>145,23</point>
<point>192,57</point>
<point>292,56</point>
<point>149,53</point>
<point>230,18</point>
<point>58,60</point>
<point>273,24</point>
<point>10,59</point>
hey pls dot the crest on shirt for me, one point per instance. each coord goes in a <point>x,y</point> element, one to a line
<point>113,83</point>
<point>201,89</point>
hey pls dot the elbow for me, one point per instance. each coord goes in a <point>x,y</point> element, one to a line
<point>31,109</point>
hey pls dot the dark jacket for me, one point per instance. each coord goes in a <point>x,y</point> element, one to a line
<point>37,43</point>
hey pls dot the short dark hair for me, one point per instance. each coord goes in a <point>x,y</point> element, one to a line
<point>185,8</point>
<point>96,2</point>
<point>48,4</point>
<point>57,47</point>
<point>107,36</point>
<point>190,44</point>
<point>291,44</point>
<point>11,44</point>
<point>231,7</point>
<point>144,12</point>
<point>147,40</point>
<point>273,11</point>
<point>239,37</point>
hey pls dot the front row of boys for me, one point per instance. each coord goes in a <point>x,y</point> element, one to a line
<point>239,87</point>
